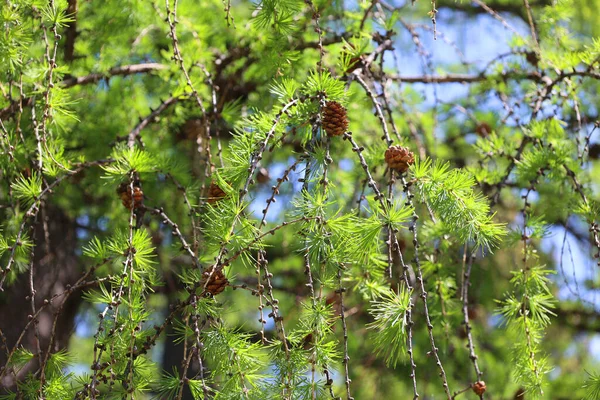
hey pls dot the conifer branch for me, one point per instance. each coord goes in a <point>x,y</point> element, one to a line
<point>215,112</point>
<point>51,60</point>
<point>387,106</point>
<point>260,262</point>
<point>594,229</point>
<point>255,159</point>
<point>177,57</point>
<point>396,247</point>
<point>340,293</point>
<point>177,233</point>
<point>465,310</point>
<point>190,208</point>
<point>419,273</point>
<point>36,330</point>
<point>379,112</point>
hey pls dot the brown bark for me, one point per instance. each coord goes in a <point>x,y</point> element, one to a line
<point>71,33</point>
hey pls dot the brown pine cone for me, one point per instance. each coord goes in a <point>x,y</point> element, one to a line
<point>124,192</point>
<point>217,283</point>
<point>483,129</point>
<point>399,158</point>
<point>191,129</point>
<point>215,193</point>
<point>532,58</point>
<point>479,388</point>
<point>335,119</point>
<point>263,176</point>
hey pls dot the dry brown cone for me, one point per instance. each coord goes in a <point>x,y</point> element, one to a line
<point>215,193</point>
<point>124,192</point>
<point>335,119</point>
<point>483,129</point>
<point>263,176</point>
<point>192,128</point>
<point>479,388</point>
<point>217,283</point>
<point>399,158</point>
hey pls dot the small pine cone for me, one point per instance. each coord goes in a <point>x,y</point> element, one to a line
<point>191,129</point>
<point>532,58</point>
<point>217,283</point>
<point>483,129</point>
<point>263,176</point>
<point>335,119</point>
<point>479,388</point>
<point>124,192</point>
<point>399,158</point>
<point>215,193</point>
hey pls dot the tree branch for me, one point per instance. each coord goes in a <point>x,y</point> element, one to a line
<point>88,79</point>
<point>116,71</point>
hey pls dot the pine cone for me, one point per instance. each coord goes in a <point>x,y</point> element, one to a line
<point>399,158</point>
<point>217,283</point>
<point>124,192</point>
<point>191,129</point>
<point>263,176</point>
<point>215,193</point>
<point>335,119</point>
<point>479,388</point>
<point>532,58</point>
<point>483,129</point>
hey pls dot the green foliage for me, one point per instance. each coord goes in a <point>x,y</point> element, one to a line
<point>592,387</point>
<point>389,312</point>
<point>451,196</point>
<point>127,160</point>
<point>28,190</point>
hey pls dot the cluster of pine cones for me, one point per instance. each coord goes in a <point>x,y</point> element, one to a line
<point>335,123</point>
